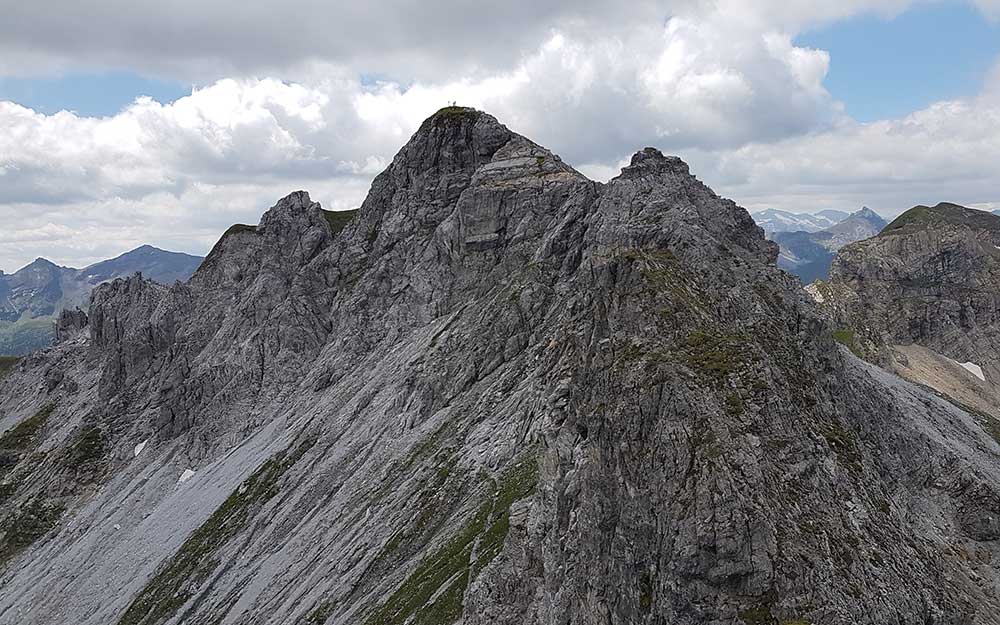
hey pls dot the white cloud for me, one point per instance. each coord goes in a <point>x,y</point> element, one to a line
<point>991,8</point>
<point>199,40</point>
<point>720,83</point>
<point>946,152</point>
<point>683,84</point>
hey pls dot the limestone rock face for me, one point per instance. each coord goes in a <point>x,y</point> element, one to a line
<point>499,393</point>
<point>931,278</point>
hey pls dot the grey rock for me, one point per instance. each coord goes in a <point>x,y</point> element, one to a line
<point>930,278</point>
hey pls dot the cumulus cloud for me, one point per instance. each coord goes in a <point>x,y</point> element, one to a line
<point>945,152</point>
<point>719,82</point>
<point>201,40</point>
<point>429,40</point>
<point>683,83</point>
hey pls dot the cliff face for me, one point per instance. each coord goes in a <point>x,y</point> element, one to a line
<point>500,393</point>
<point>932,277</point>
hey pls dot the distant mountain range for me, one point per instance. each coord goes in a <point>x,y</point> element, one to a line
<point>808,253</point>
<point>31,297</point>
<point>773,220</point>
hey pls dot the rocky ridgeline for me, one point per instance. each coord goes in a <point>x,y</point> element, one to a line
<point>932,277</point>
<point>498,393</point>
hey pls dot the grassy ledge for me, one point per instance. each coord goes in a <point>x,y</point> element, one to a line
<point>847,338</point>
<point>338,220</point>
<point>23,436</point>
<point>26,525</point>
<point>7,364</point>
<point>433,593</point>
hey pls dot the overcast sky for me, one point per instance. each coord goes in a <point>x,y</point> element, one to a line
<point>165,122</point>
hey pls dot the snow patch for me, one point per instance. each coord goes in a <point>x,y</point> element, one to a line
<point>971,367</point>
<point>187,475</point>
<point>138,448</point>
<point>974,369</point>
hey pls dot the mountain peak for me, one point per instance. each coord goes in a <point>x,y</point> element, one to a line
<point>292,208</point>
<point>453,139</point>
<point>453,114</point>
<point>652,161</point>
<point>943,213</point>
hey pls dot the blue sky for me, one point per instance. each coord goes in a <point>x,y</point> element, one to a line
<point>90,94</point>
<point>885,68</point>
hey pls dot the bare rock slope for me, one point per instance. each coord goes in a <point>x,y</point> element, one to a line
<point>499,393</point>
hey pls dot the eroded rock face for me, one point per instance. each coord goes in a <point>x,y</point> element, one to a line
<point>501,393</point>
<point>930,278</point>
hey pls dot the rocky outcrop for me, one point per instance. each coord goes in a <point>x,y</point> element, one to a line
<point>930,278</point>
<point>500,393</point>
<point>32,298</point>
<point>71,323</point>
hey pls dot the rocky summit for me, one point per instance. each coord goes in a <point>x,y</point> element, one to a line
<point>498,393</point>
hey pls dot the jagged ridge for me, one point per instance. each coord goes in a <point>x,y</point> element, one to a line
<point>498,383</point>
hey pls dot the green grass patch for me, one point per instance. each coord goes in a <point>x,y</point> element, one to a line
<point>181,576</point>
<point>452,565</point>
<point>758,615</point>
<point>920,217</point>
<point>7,364</point>
<point>847,338</point>
<point>667,275</point>
<point>339,219</point>
<point>23,436</point>
<point>845,445</point>
<point>26,525</point>
<point>734,404</point>
<point>87,446</point>
<point>456,112</point>
<point>714,355</point>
